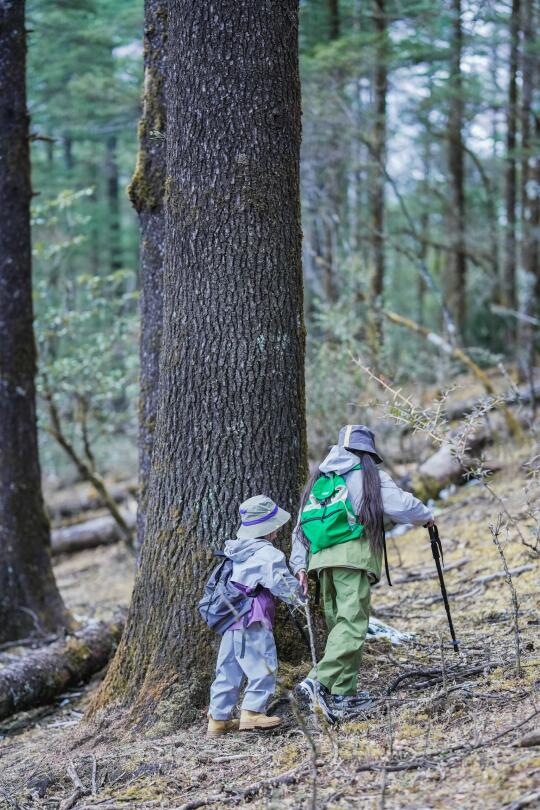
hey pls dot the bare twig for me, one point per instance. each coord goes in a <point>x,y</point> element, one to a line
<point>85,470</point>
<point>429,760</point>
<point>288,778</point>
<point>79,791</point>
<point>495,531</point>
<point>94,775</point>
<point>382,800</point>
<point>443,668</point>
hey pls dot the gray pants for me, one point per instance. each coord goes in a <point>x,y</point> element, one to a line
<point>255,658</point>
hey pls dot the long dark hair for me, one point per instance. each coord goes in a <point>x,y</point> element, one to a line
<point>371,512</point>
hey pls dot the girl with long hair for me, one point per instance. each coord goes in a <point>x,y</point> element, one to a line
<point>346,570</point>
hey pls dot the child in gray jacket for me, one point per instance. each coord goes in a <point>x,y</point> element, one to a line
<point>248,647</point>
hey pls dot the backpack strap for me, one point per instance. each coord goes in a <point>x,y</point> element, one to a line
<point>386,566</point>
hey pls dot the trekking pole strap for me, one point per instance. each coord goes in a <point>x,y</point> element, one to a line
<point>386,566</point>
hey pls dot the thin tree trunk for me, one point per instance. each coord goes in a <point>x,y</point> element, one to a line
<point>380,87</point>
<point>334,22</point>
<point>113,197</point>
<point>67,148</point>
<point>29,599</point>
<point>424,226</point>
<point>529,237</point>
<point>456,276</point>
<point>231,401</point>
<point>146,194</point>
<point>509,298</point>
<point>329,191</point>
<point>529,148</point>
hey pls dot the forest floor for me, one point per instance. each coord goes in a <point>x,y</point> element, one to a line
<point>460,731</point>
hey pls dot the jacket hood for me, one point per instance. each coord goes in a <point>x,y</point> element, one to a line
<point>339,460</point>
<point>241,549</point>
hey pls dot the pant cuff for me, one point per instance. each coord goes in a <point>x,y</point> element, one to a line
<point>249,706</point>
<point>314,675</point>
<point>344,692</point>
<point>217,715</point>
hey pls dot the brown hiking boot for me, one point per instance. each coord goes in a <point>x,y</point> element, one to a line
<point>254,721</point>
<point>216,728</point>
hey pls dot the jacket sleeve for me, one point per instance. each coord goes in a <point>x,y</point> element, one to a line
<point>401,506</point>
<point>275,576</point>
<point>299,553</point>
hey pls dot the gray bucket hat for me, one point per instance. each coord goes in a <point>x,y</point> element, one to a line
<point>260,516</point>
<point>359,437</point>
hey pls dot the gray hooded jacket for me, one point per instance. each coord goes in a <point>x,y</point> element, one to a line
<point>258,562</point>
<point>399,506</point>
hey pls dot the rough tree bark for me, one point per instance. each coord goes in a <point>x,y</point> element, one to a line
<point>29,599</point>
<point>146,194</point>
<point>380,86</point>
<point>231,417</point>
<point>456,274</point>
<point>509,276</point>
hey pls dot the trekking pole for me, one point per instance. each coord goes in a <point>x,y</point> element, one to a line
<point>299,627</point>
<point>436,550</point>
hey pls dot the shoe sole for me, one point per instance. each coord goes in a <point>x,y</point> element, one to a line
<point>256,727</point>
<point>213,734</point>
<point>354,713</point>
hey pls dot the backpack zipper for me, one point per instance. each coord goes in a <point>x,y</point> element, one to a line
<point>308,520</point>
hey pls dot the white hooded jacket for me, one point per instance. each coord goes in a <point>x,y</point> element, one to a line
<point>258,562</point>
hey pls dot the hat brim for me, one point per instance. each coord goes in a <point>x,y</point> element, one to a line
<point>366,448</point>
<point>265,527</point>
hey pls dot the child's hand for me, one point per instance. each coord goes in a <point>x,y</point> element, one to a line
<point>302,578</point>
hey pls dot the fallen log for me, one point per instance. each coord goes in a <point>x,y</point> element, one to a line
<point>82,497</point>
<point>438,472</point>
<point>443,467</point>
<point>458,354</point>
<point>38,677</point>
<point>522,395</point>
<point>98,531</point>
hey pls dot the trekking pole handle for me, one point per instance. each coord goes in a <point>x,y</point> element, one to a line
<point>436,545</point>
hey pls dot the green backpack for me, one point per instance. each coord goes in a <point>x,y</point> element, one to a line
<point>328,517</point>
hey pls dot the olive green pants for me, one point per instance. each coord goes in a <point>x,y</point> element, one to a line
<point>345,594</point>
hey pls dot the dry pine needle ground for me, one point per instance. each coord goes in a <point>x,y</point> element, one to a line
<point>435,741</point>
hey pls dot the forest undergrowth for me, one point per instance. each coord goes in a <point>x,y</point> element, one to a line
<point>446,730</point>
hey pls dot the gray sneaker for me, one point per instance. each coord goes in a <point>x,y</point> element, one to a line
<point>312,693</point>
<point>345,707</point>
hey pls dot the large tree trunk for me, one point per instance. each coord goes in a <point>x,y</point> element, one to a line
<point>456,275</point>
<point>146,194</point>
<point>231,401</point>
<point>380,86</point>
<point>29,599</point>
<point>509,278</point>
